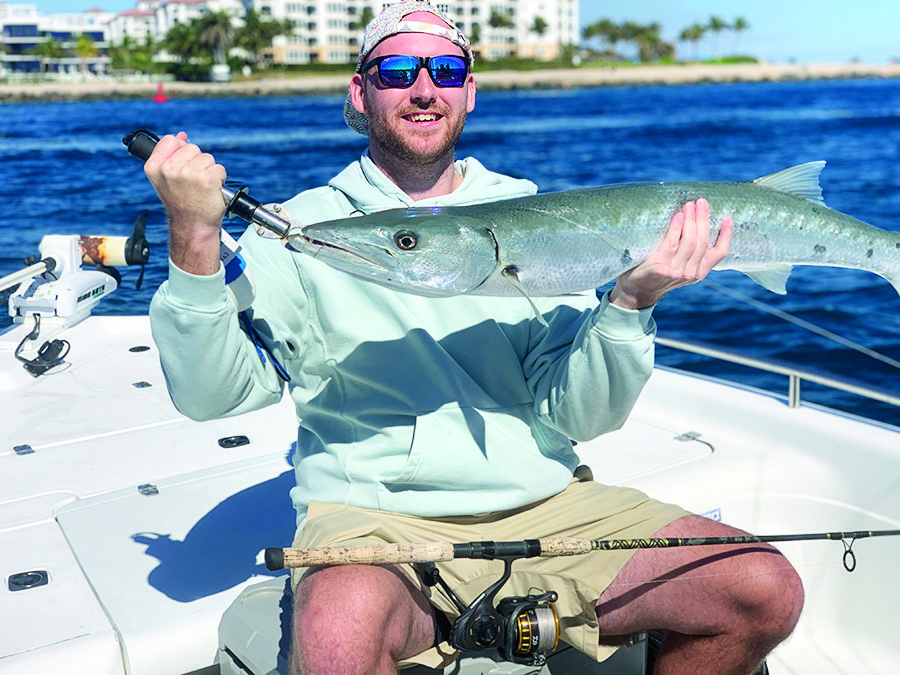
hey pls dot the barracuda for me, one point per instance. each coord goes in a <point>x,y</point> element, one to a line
<point>566,242</point>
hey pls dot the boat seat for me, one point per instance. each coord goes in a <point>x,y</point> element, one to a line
<point>254,638</point>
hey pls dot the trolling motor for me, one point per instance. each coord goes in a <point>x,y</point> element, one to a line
<point>55,292</point>
<point>60,287</point>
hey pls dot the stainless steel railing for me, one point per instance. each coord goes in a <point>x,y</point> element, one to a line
<point>796,376</point>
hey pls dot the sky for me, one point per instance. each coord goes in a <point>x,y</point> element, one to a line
<point>808,31</point>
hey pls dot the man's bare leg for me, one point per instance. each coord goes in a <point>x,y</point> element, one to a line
<point>358,619</point>
<point>725,607</point>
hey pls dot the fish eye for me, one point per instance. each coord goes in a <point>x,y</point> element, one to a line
<point>406,240</point>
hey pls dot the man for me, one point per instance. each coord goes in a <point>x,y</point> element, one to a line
<point>424,419</point>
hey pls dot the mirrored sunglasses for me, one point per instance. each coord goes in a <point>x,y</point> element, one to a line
<point>400,71</point>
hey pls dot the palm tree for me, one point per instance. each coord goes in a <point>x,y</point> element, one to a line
<point>47,50</point>
<point>120,54</point>
<point>181,41</point>
<point>475,34</point>
<point>605,29</point>
<point>540,26</point>
<point>500,20</point>
<point>647,40</point>
<point>630,31</point>
<point>216,33</point>
<point>85,48</point>
<point>143,56</point>
<point>693,34</point>
<point>257,33</point>
<point>129,54</point>
<point>365,16</point>
<point>739,26</point>
<point>651,46</point>
<point>716,25</point>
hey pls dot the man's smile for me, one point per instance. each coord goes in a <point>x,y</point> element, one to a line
<point>422,117</point>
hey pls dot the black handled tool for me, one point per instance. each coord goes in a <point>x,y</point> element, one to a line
<point>141,142</point>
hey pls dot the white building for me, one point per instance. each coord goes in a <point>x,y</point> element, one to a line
<point>23,28</point>
<point>154,18</point>
<point>327,31</point>
<point>172,12</point>
<point>137,23</point>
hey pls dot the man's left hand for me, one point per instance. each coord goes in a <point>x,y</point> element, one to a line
<point>684,257</point>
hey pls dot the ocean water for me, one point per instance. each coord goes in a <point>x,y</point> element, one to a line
<point>63,169</point>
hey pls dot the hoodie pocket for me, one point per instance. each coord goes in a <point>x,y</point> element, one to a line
<point>474,450</point>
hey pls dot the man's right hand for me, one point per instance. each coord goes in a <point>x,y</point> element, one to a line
<point>189,184</point>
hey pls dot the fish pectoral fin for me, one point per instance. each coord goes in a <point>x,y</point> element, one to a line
<point>801,180</point>
<point>511,274</point>
<point>772,278</point>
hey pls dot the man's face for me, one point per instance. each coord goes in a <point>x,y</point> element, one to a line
<point>421,123</point>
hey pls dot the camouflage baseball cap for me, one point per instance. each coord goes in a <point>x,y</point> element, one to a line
<point>390,22</point>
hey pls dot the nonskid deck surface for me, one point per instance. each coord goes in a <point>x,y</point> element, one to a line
<point>147,524</point>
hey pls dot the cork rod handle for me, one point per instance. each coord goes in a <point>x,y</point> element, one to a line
<point>280,558</point>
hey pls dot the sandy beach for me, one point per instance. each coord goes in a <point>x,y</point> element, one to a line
<point>94,89</point>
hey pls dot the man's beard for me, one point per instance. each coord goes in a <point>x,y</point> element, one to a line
<point>385,136</point>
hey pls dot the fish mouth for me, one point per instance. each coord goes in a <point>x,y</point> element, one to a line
<point>369,261</point>
<point>360,259</point>
<point>320,244</point>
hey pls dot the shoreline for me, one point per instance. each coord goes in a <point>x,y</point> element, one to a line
<point>561,78</point>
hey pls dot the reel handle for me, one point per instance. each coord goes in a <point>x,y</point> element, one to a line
<point>140,143</point>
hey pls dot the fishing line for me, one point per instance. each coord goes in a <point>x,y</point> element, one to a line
<point>802,323</point>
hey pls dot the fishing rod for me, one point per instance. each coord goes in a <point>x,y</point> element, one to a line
<point>281,558</point>
<point>521,629</point>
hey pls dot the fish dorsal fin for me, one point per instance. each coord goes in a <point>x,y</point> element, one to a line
<point>772,278</point>
<point>801,180</point>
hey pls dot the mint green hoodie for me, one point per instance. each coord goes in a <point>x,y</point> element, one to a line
<point>425,406</point>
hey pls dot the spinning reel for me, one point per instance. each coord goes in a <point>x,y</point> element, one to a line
<point>523,629</point>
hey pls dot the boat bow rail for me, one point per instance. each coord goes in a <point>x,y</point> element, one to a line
<point>795,375</point>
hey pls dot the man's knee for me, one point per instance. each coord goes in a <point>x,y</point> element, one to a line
<point>356,619</point>
<point>772,597</point>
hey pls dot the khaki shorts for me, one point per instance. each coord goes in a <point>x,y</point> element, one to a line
<point>585,509</point>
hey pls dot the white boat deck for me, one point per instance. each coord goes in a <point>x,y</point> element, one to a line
<point>136,576</point>
<point>148,528</point>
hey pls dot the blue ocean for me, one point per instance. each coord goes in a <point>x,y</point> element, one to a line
<point>64,169</point>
